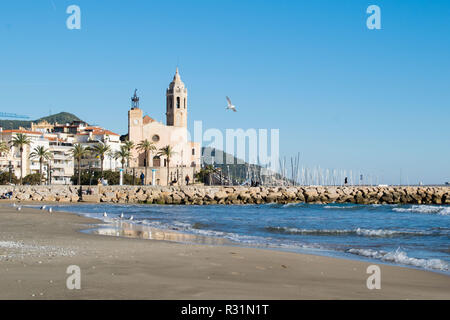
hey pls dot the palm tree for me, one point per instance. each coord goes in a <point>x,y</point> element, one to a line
<point>123,154</point>
<point>42,154</point>
<point>100,150</point>
<point>79,152</point>
<point>147,147</point>
<point>4,148</point>
<point>167,152</point>
<point>20,140</point>
<point>129,145</point>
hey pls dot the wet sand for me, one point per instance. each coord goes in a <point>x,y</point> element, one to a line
<point>36,248</point>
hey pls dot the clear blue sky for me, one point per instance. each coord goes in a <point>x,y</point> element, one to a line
<point>342,95</point>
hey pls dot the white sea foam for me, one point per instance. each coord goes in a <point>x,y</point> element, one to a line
<point>358,231</point>
<point>340,207</point>
<point>425,209</point>
<point>384,233</point>
<point>401,257</point>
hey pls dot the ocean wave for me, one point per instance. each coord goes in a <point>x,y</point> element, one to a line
<point>341,207</point>
<point>357,232</point>
<point>425,209</point>
<point>401,257</point>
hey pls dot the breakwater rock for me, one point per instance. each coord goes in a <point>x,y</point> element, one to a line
<point>203,195</point>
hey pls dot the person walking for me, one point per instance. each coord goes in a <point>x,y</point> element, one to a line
<point>142,178</point>
<point>187,179</point>
<point>345,181</point>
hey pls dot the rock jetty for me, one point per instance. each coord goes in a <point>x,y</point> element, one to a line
<point>204,195</point>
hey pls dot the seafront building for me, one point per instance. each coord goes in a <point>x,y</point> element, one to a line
<point>59,140</point>
<point>60,168</point>
<point>186,158</point>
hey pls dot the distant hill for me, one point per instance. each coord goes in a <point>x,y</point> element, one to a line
<point>236,169</point>
<point>62,117</point>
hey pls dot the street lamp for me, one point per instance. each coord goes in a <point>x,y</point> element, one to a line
<point>10,167</point>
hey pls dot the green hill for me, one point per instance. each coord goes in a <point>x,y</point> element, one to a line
<point>62,117</point>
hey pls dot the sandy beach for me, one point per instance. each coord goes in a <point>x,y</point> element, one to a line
<point>36,248</point>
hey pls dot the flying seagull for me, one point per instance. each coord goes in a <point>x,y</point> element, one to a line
<point>230,105</point>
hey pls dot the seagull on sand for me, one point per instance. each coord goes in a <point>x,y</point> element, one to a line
<point>50,210</point>
<point>131,218</point>
<point>230,105</point>
<point>104,214</point>
<point>121,215</point>
<point>19,208</point>
<point>43,207</point>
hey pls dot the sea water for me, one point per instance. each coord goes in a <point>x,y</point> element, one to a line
<point>408,235</point>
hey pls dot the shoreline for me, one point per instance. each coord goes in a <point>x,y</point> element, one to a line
<point>128,268</point>
<point>126,229</point>
<point>122,228</point>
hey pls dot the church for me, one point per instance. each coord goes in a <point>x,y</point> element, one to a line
<point>186,160</point>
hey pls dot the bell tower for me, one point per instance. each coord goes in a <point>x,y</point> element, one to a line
<point>135,119</point>
<point>176,103</point>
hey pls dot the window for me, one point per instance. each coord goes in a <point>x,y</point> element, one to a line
<point>178,102</point>
<point>155,138</point>
<point>156,161</point>
<point>185,103</point>
<point>193,151</point>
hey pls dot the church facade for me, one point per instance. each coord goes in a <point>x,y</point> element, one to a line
<point>186,160</point>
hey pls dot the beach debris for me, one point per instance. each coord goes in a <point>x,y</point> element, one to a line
<point>18,250</point>
<point>283,266</point>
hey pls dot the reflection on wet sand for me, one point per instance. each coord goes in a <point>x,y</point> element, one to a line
<point>129,230</point>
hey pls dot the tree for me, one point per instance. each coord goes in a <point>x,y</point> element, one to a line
<point>204,173</point>
<point>129,145</point>
<point>4,178</point>
<point>4,148</point>
<point>123,154</point>
<point>113,178</point>
<point>42,154</point>
<point>147,147</point>
<point>79,152</point>
<point>100,150</point>
<point>32,179</point>
<point>167,152</point>
<point>20,140</point>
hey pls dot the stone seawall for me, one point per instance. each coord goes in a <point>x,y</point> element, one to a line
<point>202,195</point>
